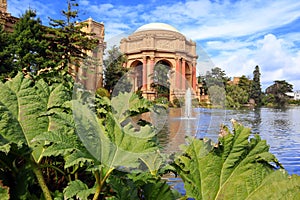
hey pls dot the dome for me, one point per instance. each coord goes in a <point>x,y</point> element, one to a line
<point>156,26</point>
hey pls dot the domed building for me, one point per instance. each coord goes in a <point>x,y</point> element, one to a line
<point>160,44</point>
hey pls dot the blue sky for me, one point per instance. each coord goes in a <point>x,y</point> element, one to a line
<point>233,35</point>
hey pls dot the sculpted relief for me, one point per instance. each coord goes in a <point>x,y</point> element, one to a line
<point>165,44</point>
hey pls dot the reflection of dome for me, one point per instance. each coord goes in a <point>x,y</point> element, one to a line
<point>156,26</point>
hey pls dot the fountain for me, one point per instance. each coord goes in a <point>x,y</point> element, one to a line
<point>188,104</point>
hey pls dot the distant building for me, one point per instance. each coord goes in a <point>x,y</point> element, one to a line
<point>6,20</point>
<point>297,95</point>
<point>235,81</point>
<point>91,77</point>
<point>294,95</point>
<point>90,74</point>
<point>159,43</point>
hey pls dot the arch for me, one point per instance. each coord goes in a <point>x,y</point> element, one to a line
<point>165,61</point>
<point>136,68</point>
<point>188,73</point>
<point>157,43</point>
<point>161,78</point>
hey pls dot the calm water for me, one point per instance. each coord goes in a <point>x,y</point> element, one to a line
<point>280,127</point>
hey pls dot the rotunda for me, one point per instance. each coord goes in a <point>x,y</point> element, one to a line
<point>160,44</point>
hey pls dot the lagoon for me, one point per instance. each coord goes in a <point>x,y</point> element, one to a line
<point>280,127</point>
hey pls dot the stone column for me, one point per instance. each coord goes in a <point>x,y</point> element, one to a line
<point>144,73</point>
<point>177,72</point>
<point>151,69</point>
<point>183,79</point>
<point>194,78</point>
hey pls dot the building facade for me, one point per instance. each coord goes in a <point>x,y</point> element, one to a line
<point>6,20</point>
<point>90,73</point>
<point>159,43</point>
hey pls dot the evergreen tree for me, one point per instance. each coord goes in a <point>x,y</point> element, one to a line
<point>113,69</point>
<point>5,55</point>
<point>256,93</point>
<point>68,43</point>
<point>216,76</point>
<point>160,79</point>
<point>245,83</point>
<point>26,49</point>
<point>278,91</point>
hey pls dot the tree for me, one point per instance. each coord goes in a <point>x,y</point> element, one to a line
<point>245,83</point>
<point>256,93</point>
<point>27,47</point>
<point>202,83</point>
<point>236,96</point>
<point>279,90</point>
<point>217,77</point>
<point>68,43</point>
<point>217,95</point>
<point>5,55</point>
<point>160,79</point>
<point>113,68</point>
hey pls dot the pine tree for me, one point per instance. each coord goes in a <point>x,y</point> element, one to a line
<point>5,55</point>
<point>68,43</point>
<point>256,93</point>
<point>279,90</point>
<point>26,49</point>
<point>113,69</point>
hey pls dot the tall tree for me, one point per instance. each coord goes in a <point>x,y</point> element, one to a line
<point>68,43</point>
<point>279,90</point>
<point>236,96</point>
<point>256,93</point>
<point>113,68</point>
<point>160,79</point>
<point>26,49</point>
<point>5,55</point>
<point>245,83</point>
<point>216,76</point>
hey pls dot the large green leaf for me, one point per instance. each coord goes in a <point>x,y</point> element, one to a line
<point>114,141</point>
<point>236,168</point>
<point>4,191</point>
<point>79,189</point>
<point>22,105</point>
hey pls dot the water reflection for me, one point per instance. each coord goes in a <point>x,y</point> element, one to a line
<point>281,129</point>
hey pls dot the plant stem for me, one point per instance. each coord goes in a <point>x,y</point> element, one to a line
<point>100,182</point>
<point>41,181</point>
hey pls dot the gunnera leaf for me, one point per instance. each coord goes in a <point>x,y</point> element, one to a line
<point>236,168</point>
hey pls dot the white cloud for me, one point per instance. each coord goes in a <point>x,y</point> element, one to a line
<point>18,7</point>
<point>275,60</point>
<point>237,34</point>
<point>84,3</point>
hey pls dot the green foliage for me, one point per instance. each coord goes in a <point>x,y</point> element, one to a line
<point>256,93</point>
<point>216,77</point>
<point>160,78</point>
<point>294,102</point>
<point>217,95</point>
<point>278,91</point>
<point>77,189</point>
<point>235,168</point>
<point>245,84</point>
<point>110,142</point>
<point>68,44</point>
<point>236,96</point>
<point>114,70</point>
<point>102,92</point>
<point>22,106</point>
<point>25,48</point>
<point>5,56</point>
<point>4,192</point>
